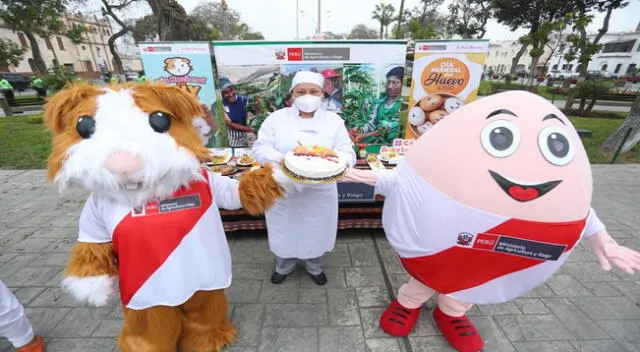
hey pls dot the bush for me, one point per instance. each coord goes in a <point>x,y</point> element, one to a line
<point>35,119</point>
<point>58,78</point>
<point>592,89</point>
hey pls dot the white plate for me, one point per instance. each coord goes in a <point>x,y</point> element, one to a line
<point>226,152</point>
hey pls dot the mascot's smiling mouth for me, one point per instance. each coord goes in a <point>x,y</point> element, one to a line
<point>523,192</point>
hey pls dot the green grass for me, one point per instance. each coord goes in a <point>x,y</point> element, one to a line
<point>23,143</point>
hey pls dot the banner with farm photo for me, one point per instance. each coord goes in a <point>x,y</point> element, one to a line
<point>446,75</point>
<point>363,80</point>
<point>189,66</point>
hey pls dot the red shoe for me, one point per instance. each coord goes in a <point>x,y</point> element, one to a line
<point>37,346</point>
<point>459,332</point>
<point>398,320</point>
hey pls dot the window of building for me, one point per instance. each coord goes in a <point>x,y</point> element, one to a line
<point>604,67</point>
<point>84,47</point>
<point>618,67</point>
<point>619,47</point>
<point>554,67</point>
<point>23,40</point>
<point>98,50</point>
<point>564,67</point>
<point>570,67</point>
<point>54,62</point>
<point>60,45</point>
<point>48,43</point>
<point>631,68</point>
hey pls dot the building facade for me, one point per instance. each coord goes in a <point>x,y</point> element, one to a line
<point>88,58</point>
<point>501,53</point>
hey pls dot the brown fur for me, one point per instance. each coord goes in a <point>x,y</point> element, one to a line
<point>92,259</point>
<point>206,326</point>
<point>259,190</point>
<point>199,325</point>
<point>63,110</point>
<point>61,113</point>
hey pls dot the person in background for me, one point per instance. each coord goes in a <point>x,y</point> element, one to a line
<point>384,125</point>
<point>332,91</point>
<point>15,325</point>
<point>304,224</point>
<point>235,107</point>
<point>7,89</point>
<point>212,124</point>
<point>36,83</point>
<point>142,78</point>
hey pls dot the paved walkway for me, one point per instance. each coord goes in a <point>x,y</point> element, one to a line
<point>580,309</point>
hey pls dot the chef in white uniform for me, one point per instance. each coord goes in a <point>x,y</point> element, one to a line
<point>304,224</point>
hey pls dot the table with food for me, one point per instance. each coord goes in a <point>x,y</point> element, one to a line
<point>310,165</point>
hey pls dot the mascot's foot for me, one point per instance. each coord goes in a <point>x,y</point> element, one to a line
<point>211,340</point>
<point>459,332</point>
<point>398,320</point>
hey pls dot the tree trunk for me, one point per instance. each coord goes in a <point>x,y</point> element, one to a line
<point>516,59</point>
<point>591,104</point>
<point>35,51</point>
<point>386,31</point>
<point>381,30</point>
<point>398,34</point>
<point>117,62</point>
<point>632,122</point>
<point>172,20</point>
<point>583,102</point>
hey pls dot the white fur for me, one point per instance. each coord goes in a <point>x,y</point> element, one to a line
<point>93,289</point>
<point>123,126</point>
<point>203,128</point>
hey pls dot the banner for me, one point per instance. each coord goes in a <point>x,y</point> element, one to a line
<point>363,80</point>
<point>187,65</point>
<point>446,75</point>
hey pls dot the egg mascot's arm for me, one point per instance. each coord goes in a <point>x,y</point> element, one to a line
<point>256,192</point>
<point>383,180</point>
<point>91,271</point>
<point>606,249</point>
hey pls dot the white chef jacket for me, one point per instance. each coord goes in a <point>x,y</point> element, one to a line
<point>168,249</point>
<point>471,255</point>
<point>303,224</point>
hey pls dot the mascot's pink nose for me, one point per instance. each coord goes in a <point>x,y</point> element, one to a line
<point>123,162</point>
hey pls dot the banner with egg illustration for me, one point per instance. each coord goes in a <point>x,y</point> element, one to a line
<point>446,75</point>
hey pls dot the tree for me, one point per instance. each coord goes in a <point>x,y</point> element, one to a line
<point>630,125</point>
<point>33,18</point>
<point>531,15</point>
<point>108,8</point>
<point>383,13</point>
<point>77,33</point>
<point>468,18</point>
<point>10,53</point>
<point>400,17</point>
<point>224,22</point>
<point>360,31</point>
<point>144,28</point>
<point>200,30</point>
<point>580,47</point>
<point>172,20</point>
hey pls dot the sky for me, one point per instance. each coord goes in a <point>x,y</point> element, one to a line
<point>276,19</point>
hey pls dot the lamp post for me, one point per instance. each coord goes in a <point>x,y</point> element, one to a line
<point>297,17</point>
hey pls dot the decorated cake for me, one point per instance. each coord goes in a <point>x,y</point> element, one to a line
<point>314,163</point>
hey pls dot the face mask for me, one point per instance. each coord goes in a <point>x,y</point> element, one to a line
<point>308,103</point>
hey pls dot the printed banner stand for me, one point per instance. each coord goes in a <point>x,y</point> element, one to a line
<point>189,66</point>
<point>363,80</point>
<point>446,75</point>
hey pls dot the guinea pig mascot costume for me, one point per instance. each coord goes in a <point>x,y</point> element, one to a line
<point>151,221</point>
<point>486,206</point>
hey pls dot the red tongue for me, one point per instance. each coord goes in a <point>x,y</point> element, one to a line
<point>523,194</point>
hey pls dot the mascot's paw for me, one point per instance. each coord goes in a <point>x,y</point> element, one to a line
<point>459,332</point>
<point>259,190</point>
<point>211,340</point>
<point>397,320</point>
<point>93,289</point>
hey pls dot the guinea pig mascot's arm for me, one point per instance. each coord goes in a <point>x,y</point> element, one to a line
<point>606,249</point>
<point>385,181</point>
<point>256,192</point>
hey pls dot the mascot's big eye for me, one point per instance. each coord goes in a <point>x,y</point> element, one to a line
<point>85,126</point>
<point>500,138</point>
<point>555,146</point>
<point>159,121</point>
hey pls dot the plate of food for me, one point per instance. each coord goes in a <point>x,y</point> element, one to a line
<point>314,164</point>
<point>220,156</point>
<point>374,163</point>
<point>246,160</point>
<point>224,170</point>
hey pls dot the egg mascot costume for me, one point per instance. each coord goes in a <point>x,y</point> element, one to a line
<point>486,206</point>
<point>151,222</point>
